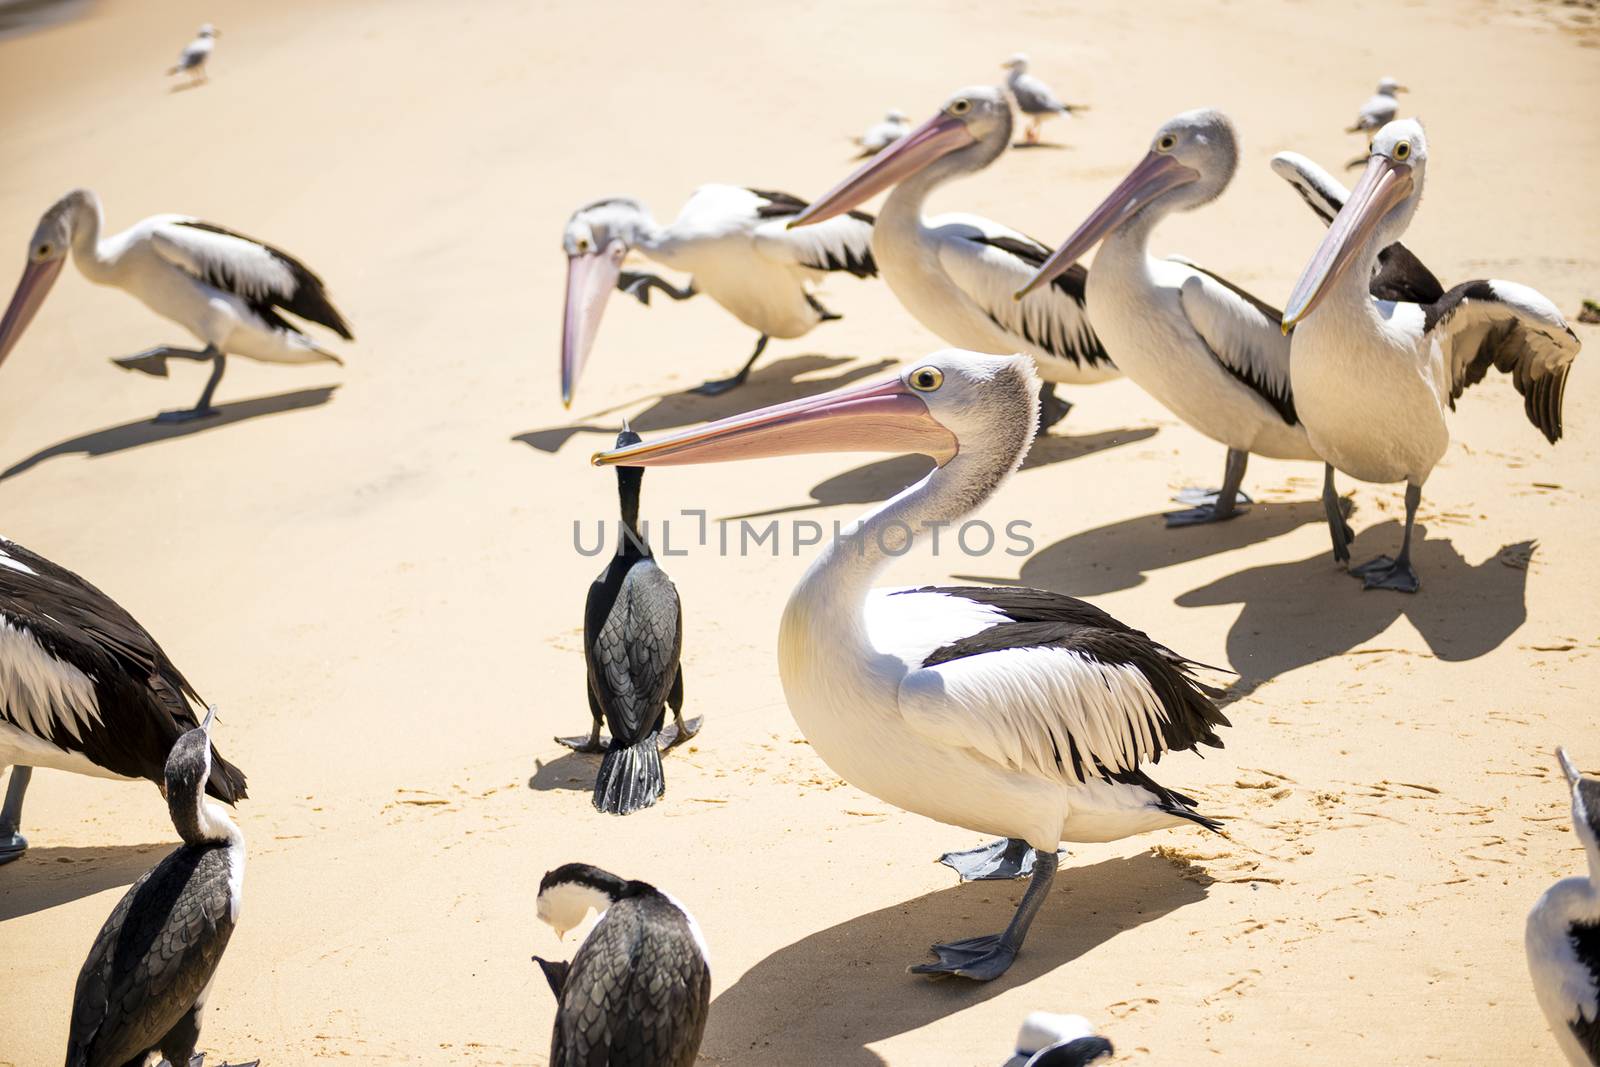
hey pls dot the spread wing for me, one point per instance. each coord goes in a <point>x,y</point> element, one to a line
<point>1513,329</point>
<point>1243,334</point>
<point>266,278</point>
<point>839,244</point>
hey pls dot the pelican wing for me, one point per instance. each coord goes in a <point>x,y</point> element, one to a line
<point>1243,334</point>
<point>990,262</point>
<point>842,243</point>
<point>1401,276</point>
<point>1057,688</point>
<point>266,278</point>
<point>1514,329</point>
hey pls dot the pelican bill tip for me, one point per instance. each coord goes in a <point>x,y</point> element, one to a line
<point>598,459</point>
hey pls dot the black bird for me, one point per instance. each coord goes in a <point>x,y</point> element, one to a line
<point>143,987</point>
<point>637,992</point>
<point>632,638</point>
<point>84,688</point>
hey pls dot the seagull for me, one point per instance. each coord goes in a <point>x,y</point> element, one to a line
<point>144,987</point>
<point>639,989</point>
<point>1009,711</point>
<point>1373,379</point>
<point>192,61</point>
<point>226,289</point>
<point>956,273</point>
<point>732,241</point>
<point>1034,98</point>
<point>1050,1040</point>
<point>1563,937</point>
<point>881,135</point>
<point>1380,109</point>
<point>84,688</point>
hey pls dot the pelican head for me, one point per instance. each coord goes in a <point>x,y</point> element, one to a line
<point>942,400</point>
<point>1376,214</point>
<point>597,239</point>
<point>1390,86</point>
<point>47,252</point>
<point>1017,63</point>
<point>568,893</point>
<point>1191,160</point>
<point>971,129</point>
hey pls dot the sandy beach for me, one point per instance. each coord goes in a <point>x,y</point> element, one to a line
<point>371,569</point>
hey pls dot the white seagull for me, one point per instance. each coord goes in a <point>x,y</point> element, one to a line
<point>1373,379</point>
<point>1381,108</point>
<point>1007,711</point>
<point>192,60</point>
<point>881,135</point>
<point>1563,936</point>
<point>956,273</point>
<point>732,241</point>
<point>224,288</point>
<point>84,688</point>
<point>1034,98</point>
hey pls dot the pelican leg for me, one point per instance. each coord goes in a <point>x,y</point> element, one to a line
<point>1222,506</point>
<point>1052,408</point>
<point>638,283</point>
<point>722,385</point>
<point>202,407</point>
<point>590,744</point>
<point>1000,859</point>
<point>988,957</point>
<point>153,361</point>
<point>12,843</point>
<point>1338,528</point>
<point>1397,573</point>
<point>679,731</point>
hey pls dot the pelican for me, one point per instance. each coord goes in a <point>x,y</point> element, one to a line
<point>83,688</point>
<point>1050,1040</point>
<point>1211,352</point>
<point>1380,109</point>
<point>637,992</point>
<point>1034,98</point>
<point>192,60</point>
<point>881,135</point>
<point>226,289</point>
<point>1373,379</point>
<point>956,273</point>
<point>732,241</point>
<point>1563,937</point>
<point>1007,711</point>
<point>144,987</point>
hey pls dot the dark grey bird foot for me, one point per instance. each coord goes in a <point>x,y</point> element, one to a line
<point>1386,573</point>
<point>151,363</point>
<point>186,415</point>
<point>672,736</point>
<point>12,846</point>
<point>1003,858</point>
<point>583,744</point>
<point>1195,497</point>
<point>981,959</point>
<point>1052,409</point>
<point>1202,515</point>
<point>718,386</point>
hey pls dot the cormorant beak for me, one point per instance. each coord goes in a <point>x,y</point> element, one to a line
<point>205,724</point>
<point>1568,768</point>
<point>590,278</point>
<point>887,416</point>
<point>35,285</point>
<point>1383,185</point>
<point>1156,174</point>
<point>937,137</point>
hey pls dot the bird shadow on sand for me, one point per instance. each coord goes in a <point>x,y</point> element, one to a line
<point>184,87</point>
<point>853,976</point>
<point>46,877</point>
<point>882,478</point>
<point>1296,614</point>
<point>148,432</point>
<point>1024,145</point>
<point>573,770</point>
<point>777,381</point>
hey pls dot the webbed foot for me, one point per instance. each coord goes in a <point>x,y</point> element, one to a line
<point>1386,573</point>
<point>981,959</point>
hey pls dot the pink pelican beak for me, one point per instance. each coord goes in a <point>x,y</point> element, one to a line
<point>937,137</point>
<point>590,278</point>
<point>31,291</point>
<point>1156,174</point>
<point>1384,185</point>
<point>886,416</point>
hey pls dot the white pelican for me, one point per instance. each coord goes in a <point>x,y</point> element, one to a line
<point>732,241</point>
<point>83,688</point>
<point>1373,379</point>
<point>1212,353</point>
<point>1034,98</point>
<point>225,288</point>
<point>1563,937</point>
<point>881,135</point>
<point>192,60</point>
<point>1380,109</point>
<point>1007,711</point>
<point>144,987</point>
<point>956,273</point>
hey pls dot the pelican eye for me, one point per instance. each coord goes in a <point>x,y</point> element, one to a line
<point>926,379</point>
<point>961,107</point>
<point>583,244</point>
<point>44,250</point>
<point>1166,143</point>
<point>1402,150</point>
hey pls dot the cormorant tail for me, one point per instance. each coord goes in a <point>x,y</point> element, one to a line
<point>630,777</point>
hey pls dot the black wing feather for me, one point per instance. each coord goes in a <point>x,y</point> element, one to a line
<point>1073,282</point>
<point>1585,938</point>
<point>857,262</point>
<point>633,637</point>
<point>309,299</point>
